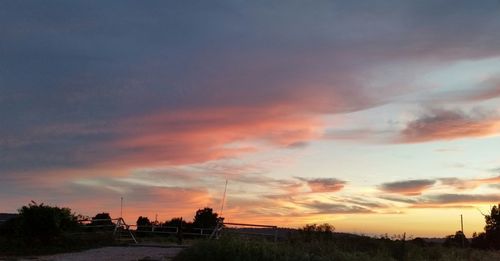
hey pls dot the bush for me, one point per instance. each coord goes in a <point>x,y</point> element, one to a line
<point>37,224</point>
<point>41,229</point>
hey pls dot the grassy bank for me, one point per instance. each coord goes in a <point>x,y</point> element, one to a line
<point>64,243</point>
<point>339,247</point>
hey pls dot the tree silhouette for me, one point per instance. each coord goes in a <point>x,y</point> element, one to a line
<point>176,222</point>
<point>206,218</point>
<point>493,220</point>
<point>40,224</point>
<point>457,240</point>
<point>143,223</point>
<point>102,219</point>
<point>490,238</point>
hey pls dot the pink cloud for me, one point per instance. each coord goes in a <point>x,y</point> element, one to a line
<point>195,136</point>
<point>449,125</point>
<point>319,185</point>
<point>464,184</point>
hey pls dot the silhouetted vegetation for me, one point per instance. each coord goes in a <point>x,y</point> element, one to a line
<point>176,222</point>
<point>44,229</point>
<point>40,224</point>
<point>206,218</point>
<point>143,223</point>
<point>311,243</point>
<point>457,240</point>
<point>490,238</point>
<point>314,232</point>
<point>102,219</point>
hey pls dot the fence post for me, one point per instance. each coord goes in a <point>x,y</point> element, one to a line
<point>275,234</point>
<point>179,233</point>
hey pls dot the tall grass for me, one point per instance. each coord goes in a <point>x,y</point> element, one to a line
<point>338,247</point>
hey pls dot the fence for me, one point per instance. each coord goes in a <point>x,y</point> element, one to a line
<point>120,227</point>
<point>266,231</point>
<point>117,225</point>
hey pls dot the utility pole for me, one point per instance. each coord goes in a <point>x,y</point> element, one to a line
<point>462,229</point>
<point>462,222</point>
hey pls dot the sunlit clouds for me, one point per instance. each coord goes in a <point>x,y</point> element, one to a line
<point>368,115</point>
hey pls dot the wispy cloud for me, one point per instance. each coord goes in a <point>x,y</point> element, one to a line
<point>464,184</point>
<point>320,207</point>
<point>408,187</point>
<point>455,200</point>
<point>324,184</point>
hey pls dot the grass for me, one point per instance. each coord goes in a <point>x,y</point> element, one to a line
<point>339,247</point>
<point>64,243</point>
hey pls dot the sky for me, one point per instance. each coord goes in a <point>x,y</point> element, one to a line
<point>375,116</point>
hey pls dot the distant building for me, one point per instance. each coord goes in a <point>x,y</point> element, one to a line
<point>6,216</point>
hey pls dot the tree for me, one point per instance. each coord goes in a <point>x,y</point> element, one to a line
<point>143,223</point>
<point>176,222</point>
<point>493,220</point>
<point>479,241</point>
<point>206,218</point>
<point>491,237</point>
<point>457,240</point>
<point>317,232</point>
<point>103,220</point>
<point>41,224</point>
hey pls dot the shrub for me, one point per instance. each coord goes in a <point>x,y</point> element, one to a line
<point>41,223</point>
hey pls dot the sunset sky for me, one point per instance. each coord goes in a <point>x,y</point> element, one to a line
<point>375,116</point>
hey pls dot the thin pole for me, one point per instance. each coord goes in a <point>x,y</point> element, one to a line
<point>462,222</point>
<point>462,227</point>
<point>223,199</point>
<point>121,207</point>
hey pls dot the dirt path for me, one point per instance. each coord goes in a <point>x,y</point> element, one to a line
<point>114,253</point>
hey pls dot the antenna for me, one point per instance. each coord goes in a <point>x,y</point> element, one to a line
<point>223,199</point>
<point>121,207</point>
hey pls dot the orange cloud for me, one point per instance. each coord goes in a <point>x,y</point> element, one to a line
<point>196,136</point>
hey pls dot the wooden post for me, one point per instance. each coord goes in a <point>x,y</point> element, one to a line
<point>179,233</point>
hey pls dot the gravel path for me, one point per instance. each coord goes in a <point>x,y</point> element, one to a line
<point>114,253</point>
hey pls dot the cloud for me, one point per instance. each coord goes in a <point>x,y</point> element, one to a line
<point>96,90</point>
<point>464,184</point>
<point>455,200</point>
<point>446,200</point>
<point>182,137</point>
<point>409,187</point>
<point>320,207</point>
<point>485,90</point>
<point>319,185</point>
<point>104,66</point>
<point>367,135</point>
<point>449,125</point>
